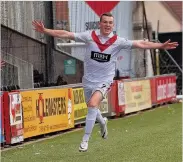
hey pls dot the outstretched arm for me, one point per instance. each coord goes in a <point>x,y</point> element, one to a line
<point>39,27</point>
<point>151,45</point>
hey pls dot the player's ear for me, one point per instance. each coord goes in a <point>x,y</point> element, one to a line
<point>99,24</point>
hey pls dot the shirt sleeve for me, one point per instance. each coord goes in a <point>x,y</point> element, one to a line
<point>125,43</point>
<point>82,37</point>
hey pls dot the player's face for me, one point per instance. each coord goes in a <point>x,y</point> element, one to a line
<point>106,25</point>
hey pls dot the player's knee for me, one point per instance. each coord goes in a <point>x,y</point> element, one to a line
<point>92,104</point>
<point>95,99</point>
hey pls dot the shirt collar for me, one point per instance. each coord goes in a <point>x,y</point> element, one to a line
<point>98,34</point>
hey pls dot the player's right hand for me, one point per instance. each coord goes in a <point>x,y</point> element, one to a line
<point>38,26</point>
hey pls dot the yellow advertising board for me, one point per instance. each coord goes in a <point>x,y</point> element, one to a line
<point>80,107</point>
<point>46,111</point>
<point>137,95</point>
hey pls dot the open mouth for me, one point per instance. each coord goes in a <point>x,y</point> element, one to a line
<point>107,30</point>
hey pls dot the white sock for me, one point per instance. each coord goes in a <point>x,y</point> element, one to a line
<point>100,118</point>
<point>90,122</point>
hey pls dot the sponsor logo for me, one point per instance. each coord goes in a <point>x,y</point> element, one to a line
<point>100,57</point>
<point>50,106</point>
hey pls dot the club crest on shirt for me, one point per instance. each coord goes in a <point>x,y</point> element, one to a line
<point>100,57</point>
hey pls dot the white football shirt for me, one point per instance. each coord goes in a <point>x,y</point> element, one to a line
<point>101,55</point>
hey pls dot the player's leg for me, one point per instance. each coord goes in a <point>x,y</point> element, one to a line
<point>100,118</point>
<point>103,124</point>
<point>93,105</point>
<point>104,89</point>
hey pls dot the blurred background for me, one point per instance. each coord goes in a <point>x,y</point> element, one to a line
<point>33,60</point>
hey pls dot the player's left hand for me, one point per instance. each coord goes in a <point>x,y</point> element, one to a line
<point>2,64</point>
<point>169,45</point>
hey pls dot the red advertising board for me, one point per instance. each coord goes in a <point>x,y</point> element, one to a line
<point>118,96</point>
<point>113,97</point>
<point>121,96</point>
<point>165,88</point>
<point>1,118</point>
<point>13,117</point>
<point>153,90</point>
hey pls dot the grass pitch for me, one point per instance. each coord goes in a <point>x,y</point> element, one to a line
<point>151,136</point>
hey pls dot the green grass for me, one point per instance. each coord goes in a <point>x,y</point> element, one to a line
<point>151,136</point>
